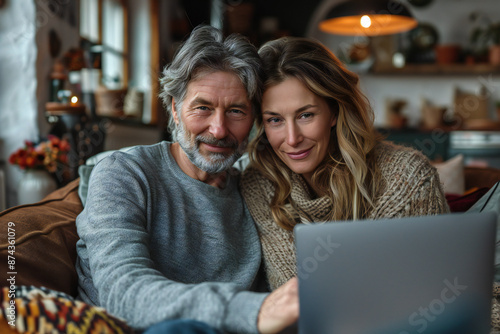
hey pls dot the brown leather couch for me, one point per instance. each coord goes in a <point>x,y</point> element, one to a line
<point>478,177</point>
<point>45,239</point>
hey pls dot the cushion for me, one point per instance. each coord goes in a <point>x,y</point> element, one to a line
<point>44,236</point>
<point>41,310</point>
<point>84,173</point>
<point>85,170</point>
<point>451,174</point>
<point>463,203</point>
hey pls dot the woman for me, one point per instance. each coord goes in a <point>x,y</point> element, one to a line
<point>316,156</point>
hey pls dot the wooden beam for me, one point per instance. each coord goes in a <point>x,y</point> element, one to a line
<point>125,44</point>
<point>155,58</point>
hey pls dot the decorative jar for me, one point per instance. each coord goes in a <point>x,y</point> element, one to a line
<point>34,186</point>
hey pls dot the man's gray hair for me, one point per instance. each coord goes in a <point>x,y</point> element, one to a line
<point>207,50</point>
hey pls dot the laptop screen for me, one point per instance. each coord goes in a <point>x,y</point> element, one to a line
<point>430,274</point>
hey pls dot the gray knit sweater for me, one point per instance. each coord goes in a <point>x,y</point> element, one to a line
<point>156,244</point>
<point>409,186</point>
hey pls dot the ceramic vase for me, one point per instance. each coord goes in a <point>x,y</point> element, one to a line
<point>34,186</point>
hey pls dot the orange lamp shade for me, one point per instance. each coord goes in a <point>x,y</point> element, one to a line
<point>381,24</point>
<point>368,18</point>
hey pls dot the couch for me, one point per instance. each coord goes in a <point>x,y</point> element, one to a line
<point>45,235</point>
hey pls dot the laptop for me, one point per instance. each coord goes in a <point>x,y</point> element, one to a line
<point>430,274</point>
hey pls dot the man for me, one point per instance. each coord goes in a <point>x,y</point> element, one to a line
<point>165,233</point>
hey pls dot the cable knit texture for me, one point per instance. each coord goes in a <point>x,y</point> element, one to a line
<point>408,186</point>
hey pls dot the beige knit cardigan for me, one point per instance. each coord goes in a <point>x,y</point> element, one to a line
<point>409,186</point>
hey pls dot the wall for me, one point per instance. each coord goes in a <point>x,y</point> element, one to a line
<point>292,15</point>
<point>450,18</point>
<point>18,105</point>
<point>62,17</point>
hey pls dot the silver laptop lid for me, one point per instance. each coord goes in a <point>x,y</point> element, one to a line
<point>431,274</point>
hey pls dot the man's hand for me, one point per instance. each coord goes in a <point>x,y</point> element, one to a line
<point>280,309</point>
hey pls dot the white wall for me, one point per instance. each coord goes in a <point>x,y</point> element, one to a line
<point>451,20</point>
<point>18,105</point>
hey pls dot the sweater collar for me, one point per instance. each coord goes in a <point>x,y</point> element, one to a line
<point>311,209</point>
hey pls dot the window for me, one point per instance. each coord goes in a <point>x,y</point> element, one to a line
<point>114,69</point>
<point>89,20</point>
<point>121,43</point>
<point>103,26</point>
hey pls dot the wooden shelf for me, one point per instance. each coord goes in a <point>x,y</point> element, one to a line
<point>472,125</point>
<point>56,108</point>
<point>430,69</point>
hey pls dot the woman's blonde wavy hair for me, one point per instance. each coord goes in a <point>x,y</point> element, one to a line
<point>347,172</point>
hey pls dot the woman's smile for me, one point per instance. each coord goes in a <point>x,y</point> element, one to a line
<point>299,155</point>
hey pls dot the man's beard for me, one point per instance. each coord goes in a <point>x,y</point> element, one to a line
<point>214,163</point>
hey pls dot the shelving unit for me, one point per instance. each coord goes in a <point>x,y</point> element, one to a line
<point>450,69</point>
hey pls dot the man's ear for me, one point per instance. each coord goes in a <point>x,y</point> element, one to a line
<point>174,112</point>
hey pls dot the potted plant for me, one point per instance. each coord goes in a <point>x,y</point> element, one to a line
<point>494,51</point>
<point>485,39</point>
<point>39,161</point>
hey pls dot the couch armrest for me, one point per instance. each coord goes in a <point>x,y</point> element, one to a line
<point>44,236</point>
<point>481,177</point>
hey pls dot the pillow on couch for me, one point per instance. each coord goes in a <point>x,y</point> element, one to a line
<point>41,310</point>
<point>451,175</point>
<point>44,236</point>
<point>463,203</point>
<point>84,171</point>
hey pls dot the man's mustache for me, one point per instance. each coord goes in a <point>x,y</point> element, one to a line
<point>217,142</point>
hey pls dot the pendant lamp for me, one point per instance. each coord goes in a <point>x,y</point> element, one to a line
<point>368,18</point>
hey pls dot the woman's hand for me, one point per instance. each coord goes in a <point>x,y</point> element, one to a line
<point>280,309</point>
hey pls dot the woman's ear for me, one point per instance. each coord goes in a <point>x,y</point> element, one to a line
<point>334,110</point>
<point>334,120</point>
<point>335,116</point>
<point>174,112</point>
